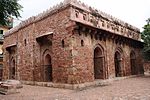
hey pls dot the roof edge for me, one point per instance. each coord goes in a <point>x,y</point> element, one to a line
<point>40,16</point>
<point>64,4</point>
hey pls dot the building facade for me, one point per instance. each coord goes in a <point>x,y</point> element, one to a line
<point>72,43</point>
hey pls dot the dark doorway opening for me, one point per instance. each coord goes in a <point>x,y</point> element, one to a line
<point>98,63</point>
<point>133,63</point>
<point>118,64</point>
<point>47,68</point>
<point>12,69</point>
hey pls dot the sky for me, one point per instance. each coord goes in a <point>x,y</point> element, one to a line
<point>134,12</point>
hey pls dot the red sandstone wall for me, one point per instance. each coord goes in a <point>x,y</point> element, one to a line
<point>28,65</point>
<point>84,63</point>
<point>72,63</point>
<point>61,57</point>
<point>82,58</point>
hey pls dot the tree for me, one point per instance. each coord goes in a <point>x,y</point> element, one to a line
<point>8,9</point>
<point>146,37</point>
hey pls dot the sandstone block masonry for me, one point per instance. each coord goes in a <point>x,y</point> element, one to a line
<point>72,43</point>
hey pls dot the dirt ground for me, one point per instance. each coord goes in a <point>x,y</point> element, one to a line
<point>137,88</point>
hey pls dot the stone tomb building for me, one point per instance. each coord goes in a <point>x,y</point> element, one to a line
<point>72,43</point>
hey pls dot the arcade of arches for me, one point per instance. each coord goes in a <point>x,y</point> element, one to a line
<point>99,63</point>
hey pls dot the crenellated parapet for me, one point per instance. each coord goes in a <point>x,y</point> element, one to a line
<point>87,15</point>
<point>90,16</point>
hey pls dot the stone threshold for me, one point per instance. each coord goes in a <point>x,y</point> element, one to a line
<point>97,82</point>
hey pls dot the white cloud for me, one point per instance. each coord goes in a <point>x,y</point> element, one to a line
<point>135,12</point>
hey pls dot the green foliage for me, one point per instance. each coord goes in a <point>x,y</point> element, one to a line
<point>146,37</point>
<point>9,8</point>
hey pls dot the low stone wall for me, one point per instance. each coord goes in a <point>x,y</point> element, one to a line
<point>147,67</point>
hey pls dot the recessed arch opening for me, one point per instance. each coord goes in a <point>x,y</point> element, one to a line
<point>47,66</point>
<point>98,63</point>
<point>133,63</point>
<point>12,70</point>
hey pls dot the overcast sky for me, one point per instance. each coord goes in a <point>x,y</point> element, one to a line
<point>134,12</point>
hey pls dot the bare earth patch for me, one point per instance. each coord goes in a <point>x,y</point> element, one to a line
<point>137,88</point>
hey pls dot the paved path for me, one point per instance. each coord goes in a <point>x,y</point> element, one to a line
<point>137,88</point>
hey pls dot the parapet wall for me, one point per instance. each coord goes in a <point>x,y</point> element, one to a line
<point>94,16</point>
<point>103,14</point>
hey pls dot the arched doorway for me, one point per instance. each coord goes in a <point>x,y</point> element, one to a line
<point>98,63</point>
<point>47,68</point>
<point>133,63</point>
<point>118,64</point>
<point>12,69</point>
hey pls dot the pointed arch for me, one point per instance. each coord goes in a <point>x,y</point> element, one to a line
<point>99,62</point>
<point>47,66</point>
<point>133,63</point>
<point>119,61</point>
